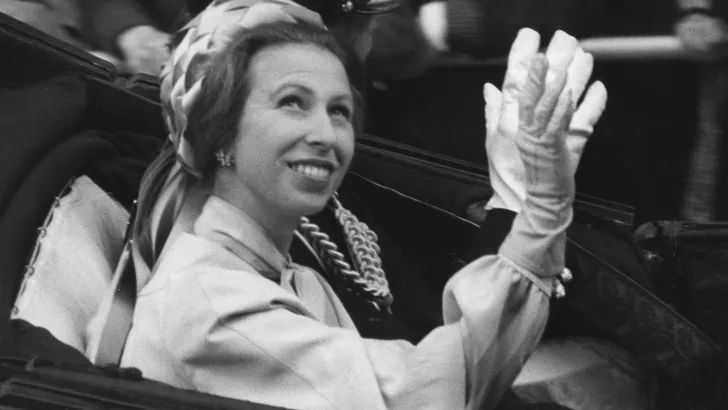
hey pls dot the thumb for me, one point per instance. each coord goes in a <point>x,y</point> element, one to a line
<point>583,122</point>
<point>493,99</point>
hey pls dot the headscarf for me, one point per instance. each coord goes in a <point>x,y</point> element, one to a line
<point>199,41</point>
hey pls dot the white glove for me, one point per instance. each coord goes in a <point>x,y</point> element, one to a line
<point>502,120</point>
<point>549,156</point>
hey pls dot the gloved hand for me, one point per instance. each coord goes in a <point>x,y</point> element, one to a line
<point>549,140</point>
<point>145,49</point>
<point>502,120</point>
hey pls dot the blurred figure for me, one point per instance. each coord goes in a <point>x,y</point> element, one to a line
<point>399,47</point>
<point>138,32</point>
<point>132,33</point>
<point>58,18</point>
<point>135,31</point>
<point>703,29</point>
<point>485,28</point>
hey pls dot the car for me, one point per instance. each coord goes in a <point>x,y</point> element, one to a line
<point>422,160</point>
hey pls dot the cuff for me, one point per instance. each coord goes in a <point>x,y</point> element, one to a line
<point>546,285</point>
<point>537,240</point>
<point>497,202</point>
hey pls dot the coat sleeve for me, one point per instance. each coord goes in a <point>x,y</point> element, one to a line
<point>237,334</point>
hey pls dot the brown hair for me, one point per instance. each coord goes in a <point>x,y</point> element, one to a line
<point>214,116</point>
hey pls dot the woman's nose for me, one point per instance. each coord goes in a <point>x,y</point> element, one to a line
<point>323,132</point>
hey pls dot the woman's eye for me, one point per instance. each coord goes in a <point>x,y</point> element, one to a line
<point>343,111</point>
<point>292,101</point>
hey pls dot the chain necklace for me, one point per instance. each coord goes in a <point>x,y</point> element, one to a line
<point>366,278</point>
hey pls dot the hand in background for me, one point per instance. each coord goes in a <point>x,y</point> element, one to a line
<point>433,23</point>
<point>145,49</point>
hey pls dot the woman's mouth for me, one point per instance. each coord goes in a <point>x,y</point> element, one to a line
<point>319,172</point>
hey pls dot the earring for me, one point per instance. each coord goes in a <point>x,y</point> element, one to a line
<point>225,159</point>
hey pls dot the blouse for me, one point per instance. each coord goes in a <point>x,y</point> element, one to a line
<point>226,313</point>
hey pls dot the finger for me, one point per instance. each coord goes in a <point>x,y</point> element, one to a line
<point>492,107</point>
<point>578,73</point>
<point>524,48</point>
<point>522,51</point>
<point>560,53</point>
<point>533,91</point>
<point>575,143</point>
<point>591,109</point>
<point>553,90</point>
<point>584,120</point>
<point>561,118</point>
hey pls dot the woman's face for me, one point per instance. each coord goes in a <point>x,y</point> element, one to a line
<point>296,134</point>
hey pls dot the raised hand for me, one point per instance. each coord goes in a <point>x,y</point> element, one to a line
<point>545,112</point>
<point>502,119</point>
<point>549,153</point>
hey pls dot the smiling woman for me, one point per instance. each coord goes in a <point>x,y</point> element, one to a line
<point>266,141</point>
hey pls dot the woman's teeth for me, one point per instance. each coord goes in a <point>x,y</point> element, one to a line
<point>311,170</point>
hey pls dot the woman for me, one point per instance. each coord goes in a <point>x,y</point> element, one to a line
<point>160,221</point>
<point>272,132</point>
<point>363,286</point>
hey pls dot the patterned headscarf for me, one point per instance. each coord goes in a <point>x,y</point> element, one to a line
<point>201,39</point>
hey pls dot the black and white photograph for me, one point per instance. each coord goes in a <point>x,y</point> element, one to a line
<point>363,204</point>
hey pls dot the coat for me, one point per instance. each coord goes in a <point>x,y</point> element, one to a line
<point>228,314</point>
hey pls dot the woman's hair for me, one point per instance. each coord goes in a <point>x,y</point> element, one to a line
<point>214,117</point>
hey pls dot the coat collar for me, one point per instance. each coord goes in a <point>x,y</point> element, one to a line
<point>222,222</point>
